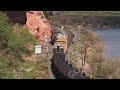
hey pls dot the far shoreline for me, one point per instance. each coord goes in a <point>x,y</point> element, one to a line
<point>105,28</point>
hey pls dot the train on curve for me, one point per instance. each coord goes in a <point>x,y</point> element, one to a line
<point>65,70</point>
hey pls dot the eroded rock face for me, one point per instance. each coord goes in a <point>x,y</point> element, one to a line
<point>35,21</point>
<point>38,25</point>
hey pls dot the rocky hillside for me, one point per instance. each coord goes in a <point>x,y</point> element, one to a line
<point>35,21</point>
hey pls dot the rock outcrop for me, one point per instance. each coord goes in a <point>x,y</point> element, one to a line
<point>38,25</point>
<point>35,21</point>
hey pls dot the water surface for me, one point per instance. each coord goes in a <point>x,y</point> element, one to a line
<point>111,39</point>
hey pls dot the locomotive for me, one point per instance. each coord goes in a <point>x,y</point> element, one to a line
<point>58,37</point>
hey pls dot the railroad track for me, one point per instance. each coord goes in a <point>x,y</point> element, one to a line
<point>70,38</point>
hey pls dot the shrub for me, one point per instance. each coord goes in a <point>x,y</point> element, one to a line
<point>18,42</point>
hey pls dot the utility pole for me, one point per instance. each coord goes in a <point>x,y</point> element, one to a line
<point>46,40</point>
<point>82,63</point>
<point>85,52</point>
<point>62,27</point>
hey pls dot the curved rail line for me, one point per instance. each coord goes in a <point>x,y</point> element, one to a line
<point>70,38</point>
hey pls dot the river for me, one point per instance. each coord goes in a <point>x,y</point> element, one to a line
<point>111,39</point>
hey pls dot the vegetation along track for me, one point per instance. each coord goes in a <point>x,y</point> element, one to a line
<point>60,67</point>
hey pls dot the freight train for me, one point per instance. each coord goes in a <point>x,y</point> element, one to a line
<point>66,70</point>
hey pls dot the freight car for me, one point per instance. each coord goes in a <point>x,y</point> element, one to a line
<point>66,69</point>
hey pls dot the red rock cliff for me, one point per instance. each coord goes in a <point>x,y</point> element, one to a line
<point>38,24</point>
<point>35,21</point>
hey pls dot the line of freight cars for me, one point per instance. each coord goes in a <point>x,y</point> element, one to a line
<point>62,66</point>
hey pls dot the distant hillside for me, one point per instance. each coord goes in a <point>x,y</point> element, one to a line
<point>84,13</point>
<point>97,19</point>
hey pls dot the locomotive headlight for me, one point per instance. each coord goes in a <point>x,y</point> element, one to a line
<point>61,47</point>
